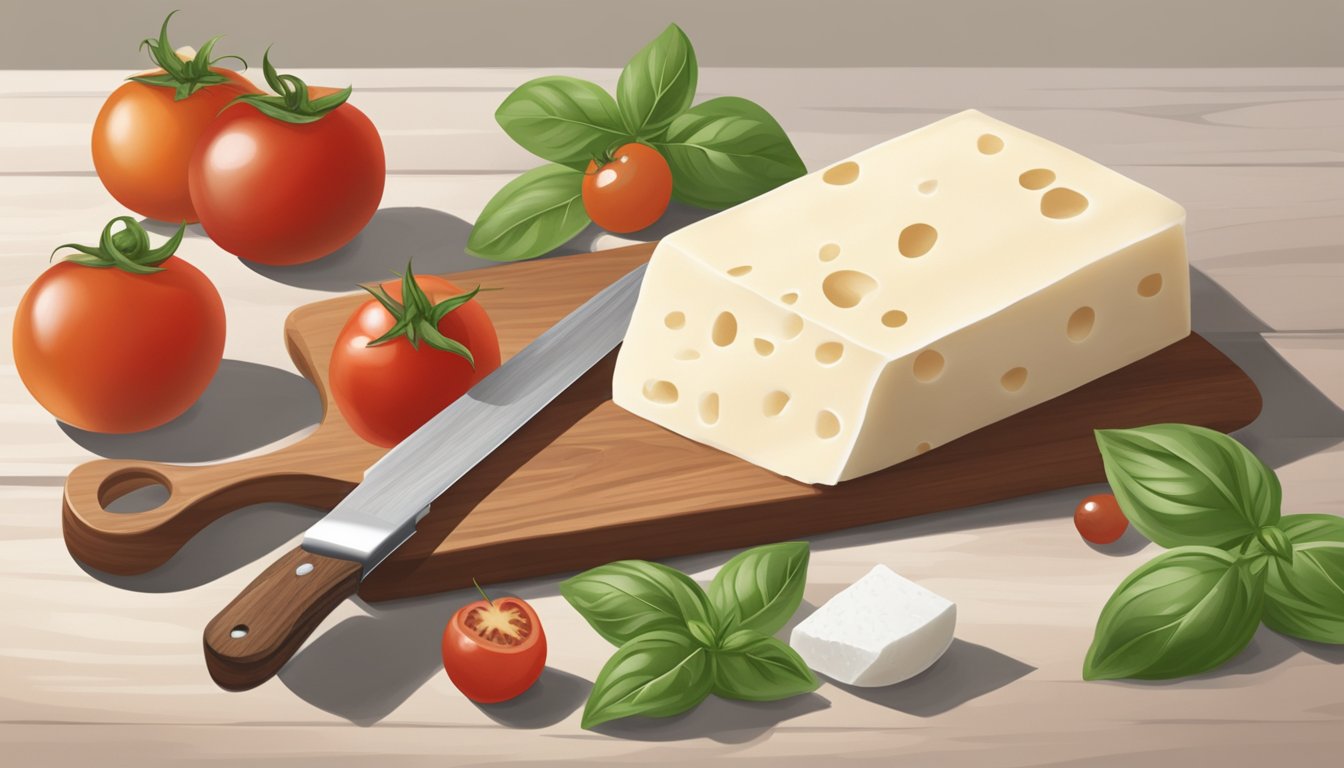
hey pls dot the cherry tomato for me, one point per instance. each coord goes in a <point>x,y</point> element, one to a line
<point>386,391</point>
<point>108,350</point>
<point>145,134</point>
<point>275,191</point>
<point>629,193</point>
<point>493,650</point>
<point>1099,519</point>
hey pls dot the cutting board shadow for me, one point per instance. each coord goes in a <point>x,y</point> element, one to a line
<point>586,482</point>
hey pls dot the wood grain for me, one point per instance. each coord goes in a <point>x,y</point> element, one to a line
<point>586,482</point>
<point>252,638</point>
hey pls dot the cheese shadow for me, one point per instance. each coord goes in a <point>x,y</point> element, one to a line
<point>965,672</point>
<point>245,407</point>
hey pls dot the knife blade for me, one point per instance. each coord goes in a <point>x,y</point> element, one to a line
<point>253,637</point>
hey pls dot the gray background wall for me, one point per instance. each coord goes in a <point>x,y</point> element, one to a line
<point>77,34</point>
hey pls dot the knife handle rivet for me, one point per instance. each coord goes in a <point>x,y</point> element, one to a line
<point>304,569</point>
<point>238,632</point>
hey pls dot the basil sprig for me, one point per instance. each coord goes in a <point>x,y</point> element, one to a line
<point>1234,559</point>
<point>721,152</point>
<point>677,644</point>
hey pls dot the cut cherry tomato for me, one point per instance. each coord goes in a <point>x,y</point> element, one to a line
<point>630,192</point>
<point>1099,519</point>
<point>493,650</point>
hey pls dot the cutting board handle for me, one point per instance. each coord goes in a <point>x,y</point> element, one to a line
<point>129,543</point>
<point>252,638</point>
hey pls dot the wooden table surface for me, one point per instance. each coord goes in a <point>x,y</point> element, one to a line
<point>107,670</point>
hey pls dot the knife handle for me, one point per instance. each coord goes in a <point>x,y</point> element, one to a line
<point>252,638</point>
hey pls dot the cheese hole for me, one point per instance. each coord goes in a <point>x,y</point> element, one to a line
<point>724,330</point>
<point>828,425</point>
<point>928,187</point>
<point>687,354</point>
<point>928,365</point>
<point>894,319</point>
<point>989,144</point>
<point>916,240</point>
<point>740,271</point>
<point>661,392</point>
<point>789,297</point>
<point>1150,285</point>
<point>793,325</point>
<point>763,347</point>
<point>1037,178</point>
<point>675,320</point>
<point>829,252</point>
<point>774,403</point>
<point>830,352</point>
<point>1080,323</point>
<point>1062,203</point>
<point>709,408</point>
<point>922,448</point>
<point>844,173</point>
<point>1014,379</point>
<point>847,288</point>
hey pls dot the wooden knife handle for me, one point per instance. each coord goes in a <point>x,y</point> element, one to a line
<point>128,543</point>
<point>252,638</point>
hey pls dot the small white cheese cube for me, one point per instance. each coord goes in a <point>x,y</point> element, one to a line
<point>880,630</point>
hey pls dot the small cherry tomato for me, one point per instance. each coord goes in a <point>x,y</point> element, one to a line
<point>630,192</point>
<point>493,650</point>
<point>1099,519</point>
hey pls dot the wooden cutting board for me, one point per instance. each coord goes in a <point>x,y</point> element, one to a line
<point>586,482</point>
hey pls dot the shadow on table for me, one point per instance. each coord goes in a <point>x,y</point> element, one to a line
<point>245,407</point>
<point>164,229</point>
<point>721,720</point>
<point>966,671</point>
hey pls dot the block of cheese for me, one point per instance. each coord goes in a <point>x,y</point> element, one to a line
<point>880,630</point>
<point>890,303</point>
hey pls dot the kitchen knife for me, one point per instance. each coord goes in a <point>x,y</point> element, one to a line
<point>252,638</point>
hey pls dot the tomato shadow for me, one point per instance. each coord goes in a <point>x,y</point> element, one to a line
<point>555,696</point>
<point>245,406</point>
<point>165,229</point>
<point>965,672</point>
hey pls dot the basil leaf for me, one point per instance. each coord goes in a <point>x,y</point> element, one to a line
<point>658,83</point>
<point>1184,612</point>
<point>725,151</point>
<point>562,119</point>
<point>761,588</point>
<point>1304,592</point>
<point>755,667</point>
<point>625,599</point>
<point>532,215</point>
<point>1180,484</point>
<point>658,675</point>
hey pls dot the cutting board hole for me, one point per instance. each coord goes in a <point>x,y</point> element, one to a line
<point>133,491</point>
<point>844,173</point>
<point>239,632</point>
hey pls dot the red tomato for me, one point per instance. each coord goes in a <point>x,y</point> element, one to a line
<point>279,192</point>
<point>143,139</point>
<point>386,391</point>
<point>629,193</point>
<point>494,650</point>
<point>1099,519</point>
<point>107,350</point>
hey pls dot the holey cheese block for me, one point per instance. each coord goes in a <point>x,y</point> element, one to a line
<point>898,300</point>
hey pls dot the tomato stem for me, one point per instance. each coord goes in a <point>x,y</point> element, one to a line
<point>291,103</point>
<point>417,319</point>
<point>184,77</point>
<point>482,591</point>
<point>127,250</point>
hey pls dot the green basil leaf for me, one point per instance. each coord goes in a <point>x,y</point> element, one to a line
<point>658,83</point>
<point>532,215</point>
<point>659,674</point>
<point>755,667</point>
<point>625,599</point>
<point>761,588</point>
<point>1180,484</point>
<point>562,119</point>
<point>725,151</point>
<point>1185,612</point>
<point>1304,593</point>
